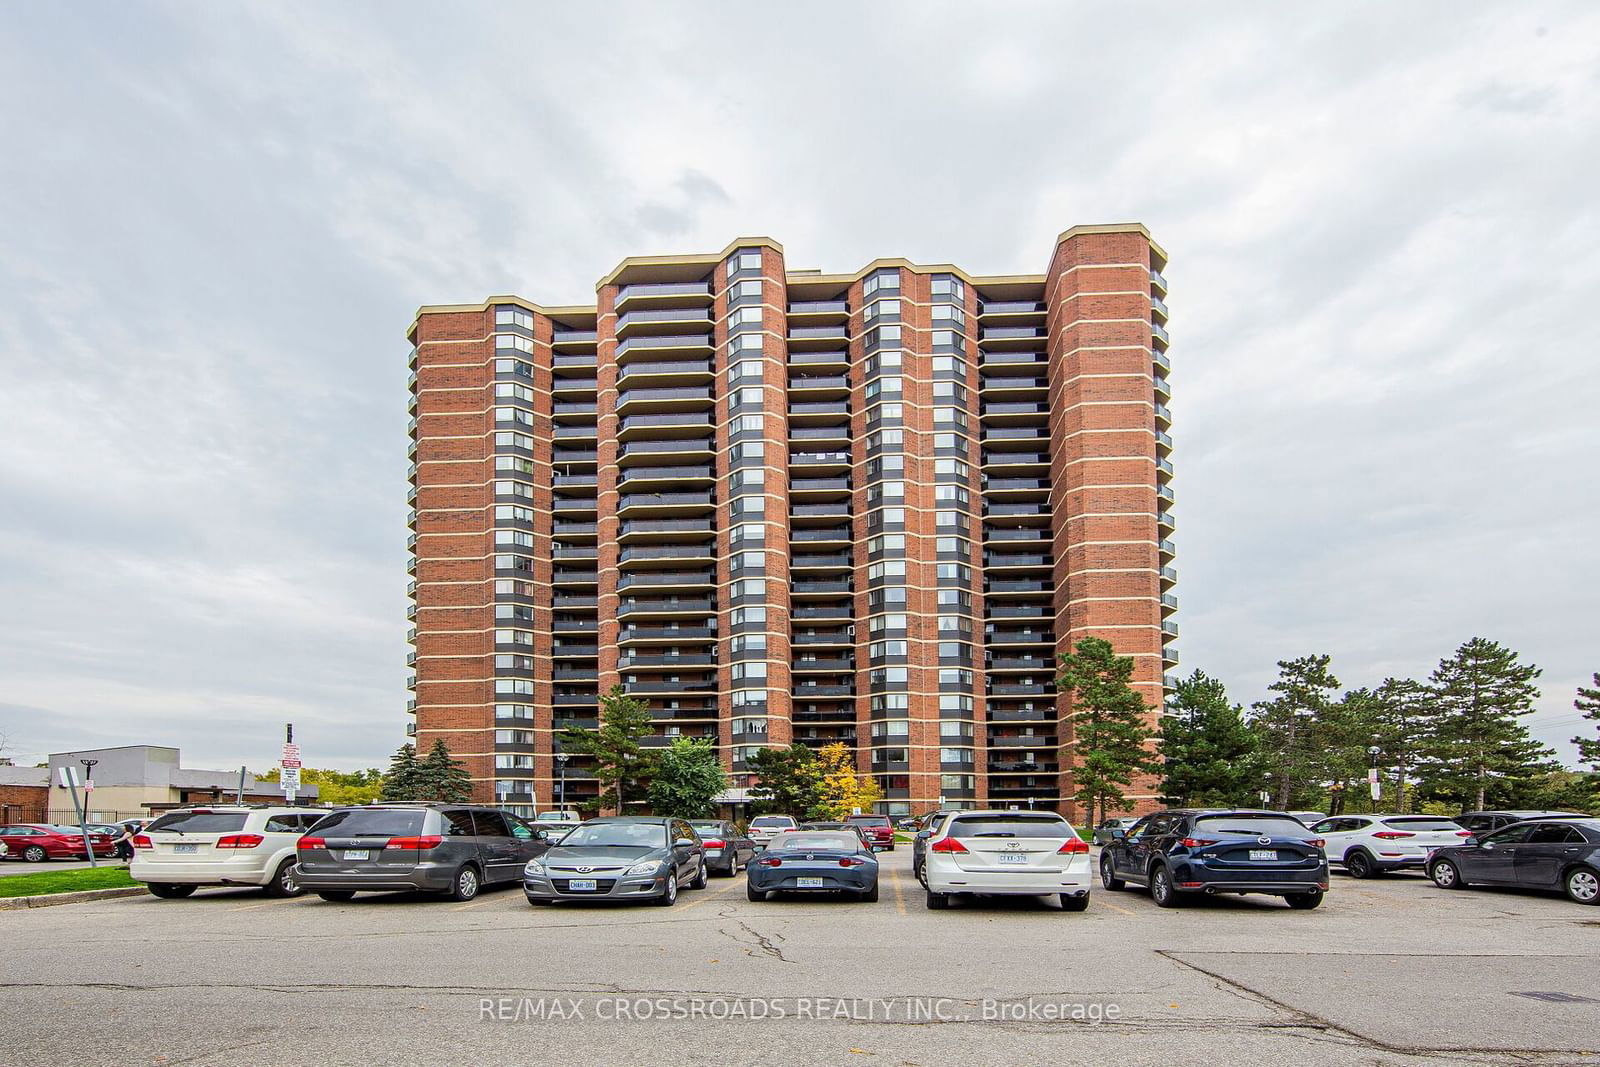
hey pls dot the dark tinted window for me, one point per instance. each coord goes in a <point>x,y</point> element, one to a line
<point>491,824</point>
<point>378,822</point>
<point>1254,825</point>
<point>1420,823</point>
<point>195,823</point>
<point>1512,834</point>
<point>1554,833</point>
<point>284,824</point>
<point>519,829</point>
<point>1011,824</point>
<point>868,820</point>
<point>458,823</point>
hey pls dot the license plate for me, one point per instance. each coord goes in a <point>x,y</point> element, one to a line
<point>1006,857</point>
<point>186,850</point>
<point>583,885</point>
<point>358,853</point>
<point>808,883</point>
<point>1263,854</point>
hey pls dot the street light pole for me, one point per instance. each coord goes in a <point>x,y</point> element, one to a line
<point>1372,775</point>
<point>561,761</point>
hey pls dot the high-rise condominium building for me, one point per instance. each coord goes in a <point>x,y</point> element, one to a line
<point>786,506</point>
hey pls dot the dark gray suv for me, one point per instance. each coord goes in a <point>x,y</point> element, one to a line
<point>450,849</point>
<point>619,859</point>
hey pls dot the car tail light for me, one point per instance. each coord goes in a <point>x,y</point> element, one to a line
<point>422,844</point>
<point>947,844</point>
<point>1190,885</point>
<point>712,842</point>
<point>1463,833</point>
<point>142,841</point>
<point>1199,842</point>
<point>240,841</point>
<point>1391,835</point>
<point>1317,842</point>
<point>770,861</point>
<point>851,861</point>
<point>310,842</point>
<point>1073,847</point>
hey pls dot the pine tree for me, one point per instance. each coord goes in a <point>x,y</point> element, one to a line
<point>400,783</point>
<point>442,778</point>
<point>1344,736</point>
<point>1208,752</point>
<point>688,776</point>
<point>1477,739</point>
<point>620,761</point>
<point>1588,702</point>
<point>1284,725</point>
<point>1402,731</point>
<point>1110,726</point>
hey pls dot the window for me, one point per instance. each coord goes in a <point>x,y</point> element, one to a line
<point>513,366</point>
<point>888,280</point>
<point>741,616</point>
<point>886,437</point>
<point>887,543</point>
<point>879,623</point>
<point>749,671</point>
<point>745,343</point>
<point>881,307</point>
<point>749,643</point>
<point>948,313</point>
<point>948,285</point>
<point>955,755</point>
<point>513,440</point>
<point>891,702</point>
<point>745,368</point>
<point>741,317</point>
<point>881,649</point>
<point>752,532</point>
<point>749,422</point>
<point>747,260</point>
<point>506,315</point>
<point>753,286</point>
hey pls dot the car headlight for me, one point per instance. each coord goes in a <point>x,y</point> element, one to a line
<point>645,868</point>
<point>533,867</point>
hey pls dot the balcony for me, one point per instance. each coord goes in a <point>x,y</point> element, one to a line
<point>563,625</point>
<point>1004,587</point>
<point>655,293</point>
<point>1008,410</point>
<point>634,451</point>
<point>648,634</point>
<point>575,481</point>
<point>998,309</point>
<point>666,553</point>
<point>835,510</point>
<point>821,587</point>
<point>574,385</point>
<point>998,534</point>
<point>638,477</point>
<point>1158,280</point>
<point>818,309</point>
<point>818,459</point>
<point>573,409</point>
<point>830,534</point>
<point>1015,385</point>
<point>632,606</point>
<point>839,432</point>
<point>1169,656</point>
<point>832,562</point>
<point>820,384</point>
<point>675,424</point>
<point>567,338</point>
<point>686,370</point>
<point>805,691</point>
<point>817,336</point>
<point>815,486</point>
<point>656,581</point>
<point>1163,444</point>
<point>1169,603</point>
<point>665,502</point>
<point>644,347</point>
<point>701,659</point>
<point>1166,494</point>
<point>1013,362</point>
<point>566,651</point>
<point>843,612</point>
<point>1022,663</point>
<point>1159,332</point>
<point>1163,416</point>
<point>834,664</point>
<point>1162,363</point>
<point>566,600</point>
<point>1169,577</point>
<point>579,431</point>
<point>1158,307</point>
<point>1019,637</point>
<point>809,409</point>
<point>1165,467</point>
<point>641,529</point>
<point>1028,508</point>
<point>676,320</point>
<point>818,360</point>
<point>578,552</point>
<point>1011,337</point>
<point>646,686</point>
<point>1023,741</point>
<point>1016,485</point>
<point>815,637</point>
<point>1163,387</point>
<point>1017,559</point>
<point>1169,627</point>
<point>1165,521</point>
<point>570,361</point>
<point>664,399</point>
<point>1168,550</point>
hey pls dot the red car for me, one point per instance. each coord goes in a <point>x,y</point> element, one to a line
<point>37,842</point>
<point>877,829</point>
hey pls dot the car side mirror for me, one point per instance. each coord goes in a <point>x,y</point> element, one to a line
<point>1480,844</point>
<point>684,842</point>
<point>1119,835</point>
<point>924,834</point>
<point>1470,839</point>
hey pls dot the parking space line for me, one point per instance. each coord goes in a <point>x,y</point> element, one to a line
<point>733,883</point>
<point>268,904</point>
<point>899,894</point>
<point>1118,908</point>
<point>483,898</point>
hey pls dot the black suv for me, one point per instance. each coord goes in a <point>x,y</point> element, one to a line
<point>1176,853</point>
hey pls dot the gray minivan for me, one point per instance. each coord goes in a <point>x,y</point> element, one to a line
<point>450,849</point>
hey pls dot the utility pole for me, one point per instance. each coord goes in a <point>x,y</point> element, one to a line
<point>239,798</point>
<point>69,779</point>
<point>561,761</point>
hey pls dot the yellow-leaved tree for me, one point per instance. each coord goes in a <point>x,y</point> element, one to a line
<point>840,790</point>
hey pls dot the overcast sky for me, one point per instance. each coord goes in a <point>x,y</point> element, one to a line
<point>217,221</point>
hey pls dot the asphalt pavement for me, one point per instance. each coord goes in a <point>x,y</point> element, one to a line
<point>1388,971</point>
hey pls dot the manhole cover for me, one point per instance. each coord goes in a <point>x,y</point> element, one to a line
<point>1557,998</point>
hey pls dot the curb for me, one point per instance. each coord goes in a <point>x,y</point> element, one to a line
<point>50,900</point>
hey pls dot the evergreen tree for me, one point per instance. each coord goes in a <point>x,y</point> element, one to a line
<point>1344,736</point>
<point>1402,731</point>
<point>620,761</point>
<point>1285,726</point>
<point>1110,726</point>
<point>1588,702</point>
<point>1477,739</point>
<point>686,780</point>
<point>840,791</point>
<point>1208,753</point>
<point>786,780</point>
<point>442,778</point>
<point>400,783</point>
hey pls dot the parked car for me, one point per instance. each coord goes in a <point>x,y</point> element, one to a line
<point>1309,818</point>
<point>919,840</point>
<point>1011,853</point>
<point>815,861</point>
<point>910,823</point>
<point>453,850</point>
<point>727,847</point>
<point>1368,845</point>
<point>1184,852</point>
<point>878,828</point>
<point>762,827</point>
<point>558,815</point>
<point>1102,833</point>
<point>221,846</point>
<point>37,842</point>
<point>845,826</point>
<point>555,829</point>
<point>1550,853</point>
<point>1486,822</point>
<point>619,858</point>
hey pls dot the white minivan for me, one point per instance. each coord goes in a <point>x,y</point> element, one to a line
<point>223,845</point>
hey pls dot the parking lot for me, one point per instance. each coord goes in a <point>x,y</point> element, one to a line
<point>1387,971</point>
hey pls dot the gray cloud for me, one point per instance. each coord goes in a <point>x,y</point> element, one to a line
<point>218,223</point>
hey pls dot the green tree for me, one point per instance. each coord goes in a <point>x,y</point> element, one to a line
<point>1110,724</point>
<point>1208,752</point>
<point>441,777</point>
<point>786,780</point>
<point>688,776</point>
<point>840,791</point>
<point>1402,731</point>
<point>1588,703</point>
<point>400,783</point>
<point>343,788</point>
<point>620,761</point>
<point>1477,738</point>
<point>1284,725</point>
<point>1345,735</point>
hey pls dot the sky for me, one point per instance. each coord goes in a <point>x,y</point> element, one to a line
<point>217,221</point>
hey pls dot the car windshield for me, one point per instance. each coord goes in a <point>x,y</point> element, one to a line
<point>617,835</point>
<point>868,820</point>
<point>197,822</point>
<point>823,839</point>
<point>371,822</point>
<point>1013,824</point>
<point>1254,825</point>
<point>706,825</point>
<point>1421,822</point>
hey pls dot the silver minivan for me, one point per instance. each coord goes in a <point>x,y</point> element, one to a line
<point>453,850</point>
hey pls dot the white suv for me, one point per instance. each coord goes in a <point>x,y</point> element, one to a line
<point>1010,853</point>
<point>223,845</point>
<point>1367,845</point>
<point>763,828</point>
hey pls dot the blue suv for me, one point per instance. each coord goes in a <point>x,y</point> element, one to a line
<point>1185,852</point>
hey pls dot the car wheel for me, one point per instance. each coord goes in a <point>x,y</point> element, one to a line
<point>753,893</point>
<point>35,854</point>
<point>285,881</point>
<point>336,896</point>
<point>1303,901</point>
<point>1161,890</point>
<point>669,895</point>
<point>1108,876</point>
<point>870,896</point>
<point>465,885</point>
<point>1072,903</point>
<point>168,891</point>
<point>699,881</point>
<point>938,901</point>
<point>1359,864</point>
<point>1446,875</point>
<point>1583,886</point>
